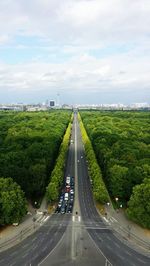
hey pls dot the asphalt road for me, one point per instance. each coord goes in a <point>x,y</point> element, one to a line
<point>78,239</point>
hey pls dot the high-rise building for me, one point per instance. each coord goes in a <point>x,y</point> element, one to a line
<point>52,103</point>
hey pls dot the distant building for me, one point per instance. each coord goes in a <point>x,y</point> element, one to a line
<point>52,104</point>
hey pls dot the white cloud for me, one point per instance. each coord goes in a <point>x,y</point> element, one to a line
<point>69,31</point>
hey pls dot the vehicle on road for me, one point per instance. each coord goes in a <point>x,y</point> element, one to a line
<point>66,197</point>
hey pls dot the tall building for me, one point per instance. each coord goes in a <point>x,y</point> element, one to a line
<point>52,104</point>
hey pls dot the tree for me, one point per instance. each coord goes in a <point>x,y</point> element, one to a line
<point>139,204</point>
<point>118,181</point>
<point>13,205</point>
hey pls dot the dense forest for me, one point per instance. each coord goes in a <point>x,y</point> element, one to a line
<point>29,146</point>
<point>121,141</point>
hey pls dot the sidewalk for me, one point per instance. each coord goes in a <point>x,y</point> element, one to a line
<point>130,231</point>
<point>31,222</point>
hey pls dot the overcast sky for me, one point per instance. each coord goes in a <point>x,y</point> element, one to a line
<point>87,51</point>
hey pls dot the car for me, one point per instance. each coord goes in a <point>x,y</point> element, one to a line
<point>72,186</point>
<point>66,196</point>
<point>69,209</point>
<point>68,180</point>
<point>59,204</point>
<point>63,208</point>
<point>71,197</point>
<point>58,209</point>
<point>71,191</point>
<point>67,189</point>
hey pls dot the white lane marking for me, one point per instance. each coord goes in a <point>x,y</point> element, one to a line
<point>12,254</point>
<point>113,219</point>
<point>79,218</point>
<point>46,219</point>
<point>127,252</point>
<point>116,245</point>
<point>105,220</point>
<point>141,260</point>
<point>108,237</point>
<point>121,257</point>
<point>25,255</point>
<point>35,238</point>
<point>43,249</point>
<point>73,218</point>
<point>109,247</point>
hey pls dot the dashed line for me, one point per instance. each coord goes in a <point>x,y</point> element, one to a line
<point>35,238</point>
<point>109,247</point>
<point>43,249</point>
<point>25,255</point>
<point>12,254</point>
<point>127,252</point>
<point>25,245</point>
<point>141,261</point>
<point>117,245</point>
<point>121,257</point>
<point>108,237</point>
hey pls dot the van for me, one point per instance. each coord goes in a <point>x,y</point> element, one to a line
<point>68,180</point>
<point>66,196</point>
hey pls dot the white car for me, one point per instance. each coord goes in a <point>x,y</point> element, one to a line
<point>72,191</point>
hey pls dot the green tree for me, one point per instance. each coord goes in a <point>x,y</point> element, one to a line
<point>13,205</point>
<point>139,204</point>
<point>118,181</point>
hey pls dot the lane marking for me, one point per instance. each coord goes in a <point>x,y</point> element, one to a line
<point>141,260</point>
<point>25,255</point>
<point>73,218</point>
<point>121,257</point>
<point>79,218</point>
<point>105,220</point>
<point>109,247</point>
<point>116,245</point>
<point>127,252</point>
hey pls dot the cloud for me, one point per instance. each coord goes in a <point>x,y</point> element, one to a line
<point>79,45</point>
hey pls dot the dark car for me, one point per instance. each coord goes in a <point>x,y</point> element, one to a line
<point>63,208</point>
<point>58,209</point>
<point>69,209</point>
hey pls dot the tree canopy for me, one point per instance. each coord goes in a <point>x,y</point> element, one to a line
<point>13,205</point>
<point>29,147</point>
<point>121,141</point>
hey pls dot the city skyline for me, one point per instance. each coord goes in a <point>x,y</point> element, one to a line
<point>85,51</point>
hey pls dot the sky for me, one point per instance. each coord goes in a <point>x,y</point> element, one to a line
<point>87,51</point>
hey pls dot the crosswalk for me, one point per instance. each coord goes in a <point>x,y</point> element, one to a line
<point>76,218</point>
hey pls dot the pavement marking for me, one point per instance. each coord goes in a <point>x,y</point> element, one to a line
<point>35,238</point>
<point>113,219</point>
<point>79,218</point>
<point>25,245</point>
<point>108,237</point>
<point>43,249</point>
<point>35,246</point>
<point>127,252</point>
<point>141,261</point>
<point>12,264</point>
<point>121,257</point>
<point>46,219</point>
<point>105,219</point>
<point>14,253</point>
<point>117,245</point>
<point>25,255</point>
<point>109,247</point>
<point>73,218</point>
